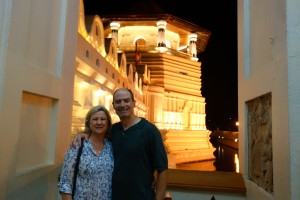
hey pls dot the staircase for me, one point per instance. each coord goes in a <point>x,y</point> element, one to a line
<point>189,145</point>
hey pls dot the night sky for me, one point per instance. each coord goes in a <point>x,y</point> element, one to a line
<point>219,60</point>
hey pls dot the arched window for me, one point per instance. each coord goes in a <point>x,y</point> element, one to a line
<point>140,43</point>
<point>97,30</point>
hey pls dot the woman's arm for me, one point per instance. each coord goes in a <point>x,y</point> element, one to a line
<point>66,176</point>
<point>66,196</point>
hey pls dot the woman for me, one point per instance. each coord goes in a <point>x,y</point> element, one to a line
<point>96,165</point>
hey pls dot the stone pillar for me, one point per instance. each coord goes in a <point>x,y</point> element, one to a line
<point>114,26</point>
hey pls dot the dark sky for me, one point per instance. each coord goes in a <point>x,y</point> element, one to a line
<point>219,61</point>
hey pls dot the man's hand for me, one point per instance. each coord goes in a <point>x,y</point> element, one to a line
<point>77,139</point>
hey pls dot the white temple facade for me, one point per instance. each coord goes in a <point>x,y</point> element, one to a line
<point>156,57</point>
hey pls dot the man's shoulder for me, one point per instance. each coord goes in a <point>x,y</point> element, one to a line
<point>116,123</point>
<point>145,123</point>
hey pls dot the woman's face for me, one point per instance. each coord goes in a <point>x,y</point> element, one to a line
<point>99,123</point>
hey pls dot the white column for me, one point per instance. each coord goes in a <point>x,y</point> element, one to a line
<point>114,26</point>
<point>161,24</point>
<point>192,45</point>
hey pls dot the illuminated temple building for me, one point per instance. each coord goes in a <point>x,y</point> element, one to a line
<point>156,57</point>
<point>55,62</point>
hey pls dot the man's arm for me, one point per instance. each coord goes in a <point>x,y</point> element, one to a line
<point>77,139</point>
<point>161,185</point>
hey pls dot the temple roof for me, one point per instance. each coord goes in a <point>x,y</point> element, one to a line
<point>146,13</point>
<point>175,24</point>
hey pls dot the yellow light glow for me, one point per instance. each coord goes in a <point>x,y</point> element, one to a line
<point>85,70</point>
<point>236,161</point>
<point>83,84</point>
<point>110,85</point>
<point>99,92</point>
<point>100,79</point>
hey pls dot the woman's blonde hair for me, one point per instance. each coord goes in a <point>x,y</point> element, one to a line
<point>92,111</point>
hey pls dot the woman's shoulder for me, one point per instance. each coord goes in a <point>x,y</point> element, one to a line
<point>107,141</point>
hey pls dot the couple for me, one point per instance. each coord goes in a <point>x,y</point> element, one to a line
<point>122,168</point>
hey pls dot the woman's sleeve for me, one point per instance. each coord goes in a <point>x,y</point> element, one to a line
<point>66,177</point>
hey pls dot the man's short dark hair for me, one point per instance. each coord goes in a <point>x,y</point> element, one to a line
<point>130,92</point>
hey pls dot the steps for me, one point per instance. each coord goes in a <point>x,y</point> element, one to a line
<point>189,145</point>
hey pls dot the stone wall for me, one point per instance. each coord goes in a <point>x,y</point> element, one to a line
<point>260,141</point>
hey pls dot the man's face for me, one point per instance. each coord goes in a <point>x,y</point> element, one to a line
<point>123,104</point>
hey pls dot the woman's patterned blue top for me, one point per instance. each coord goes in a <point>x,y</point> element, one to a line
<point>94,176</point>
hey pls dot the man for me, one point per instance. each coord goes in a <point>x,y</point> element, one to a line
<point>139,153</point>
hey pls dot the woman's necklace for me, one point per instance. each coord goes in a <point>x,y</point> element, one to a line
<point>97,146</point>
